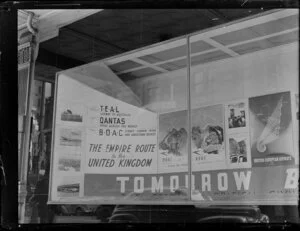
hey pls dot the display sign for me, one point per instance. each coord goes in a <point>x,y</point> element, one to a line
<point>109,151</point>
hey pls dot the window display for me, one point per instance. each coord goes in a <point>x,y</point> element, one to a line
<point>209,119</point>
<point>131,148</point>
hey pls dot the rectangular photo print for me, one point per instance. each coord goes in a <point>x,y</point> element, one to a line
<point>70,137</point>
<point>238,151</point>
<point>236,117</point>
<point>68,186</point>
<point>68,164</point>
<point>271,130</point>
<point>72,112</point>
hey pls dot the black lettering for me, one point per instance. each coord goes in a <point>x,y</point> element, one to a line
<point>96,161</point>
<point>149,161</point>
<point>91,145</point>
<point>90,162</point>
<point>121,163</point>
<point>95,148</point>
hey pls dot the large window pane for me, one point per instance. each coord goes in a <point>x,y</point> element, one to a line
<point>121,132</point>
<point>244,116</point>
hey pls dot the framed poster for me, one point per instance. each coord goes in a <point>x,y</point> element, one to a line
<point>271,130</point>
<point>208,144</point>
<point>172,140</point>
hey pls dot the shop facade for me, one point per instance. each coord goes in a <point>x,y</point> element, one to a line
<point>208,118</point>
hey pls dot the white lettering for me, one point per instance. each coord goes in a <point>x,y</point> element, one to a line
<point>291,178</point>
<point>157,186</point>
<point>222,181</point>
<point>206,185</point>
<point>174,183</point>
<point>241,179</point>
<point>187,181</point>
<point>122,180</point>
<point>138,184</point>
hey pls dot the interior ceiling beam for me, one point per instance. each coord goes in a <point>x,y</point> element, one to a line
<point>56,60</point>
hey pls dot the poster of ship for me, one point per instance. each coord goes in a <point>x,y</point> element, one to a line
<point>271,129</point>
<point>68,186</point>
<point>72,112</point>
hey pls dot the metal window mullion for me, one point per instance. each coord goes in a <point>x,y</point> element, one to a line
<point>189,118</point>
<point>26,140</point>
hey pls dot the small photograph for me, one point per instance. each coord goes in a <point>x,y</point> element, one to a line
<point>237,115</point>
<point>70,137</point>
<point>66,189</point>
<point>68,164</point>
<point>68,186</point>
<point>238,150</point>
<point>72,113</point>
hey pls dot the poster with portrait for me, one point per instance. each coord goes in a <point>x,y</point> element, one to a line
<point>172,142</point>
<point>208,145</point>
<point>271,130</point>
<point>238,150</point>
<point>236,117</point>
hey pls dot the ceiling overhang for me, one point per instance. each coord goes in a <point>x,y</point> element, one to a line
<point>48,22</point>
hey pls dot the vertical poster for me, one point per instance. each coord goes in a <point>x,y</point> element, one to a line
<point>68,162</point>
<point>172,141</point>
<point>271,130</point>
<point>208,146</point>
<point>69,148</point>
<point>237,134</point>
<point>98,138</point>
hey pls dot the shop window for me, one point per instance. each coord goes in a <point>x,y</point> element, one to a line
<point>126,131</point>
